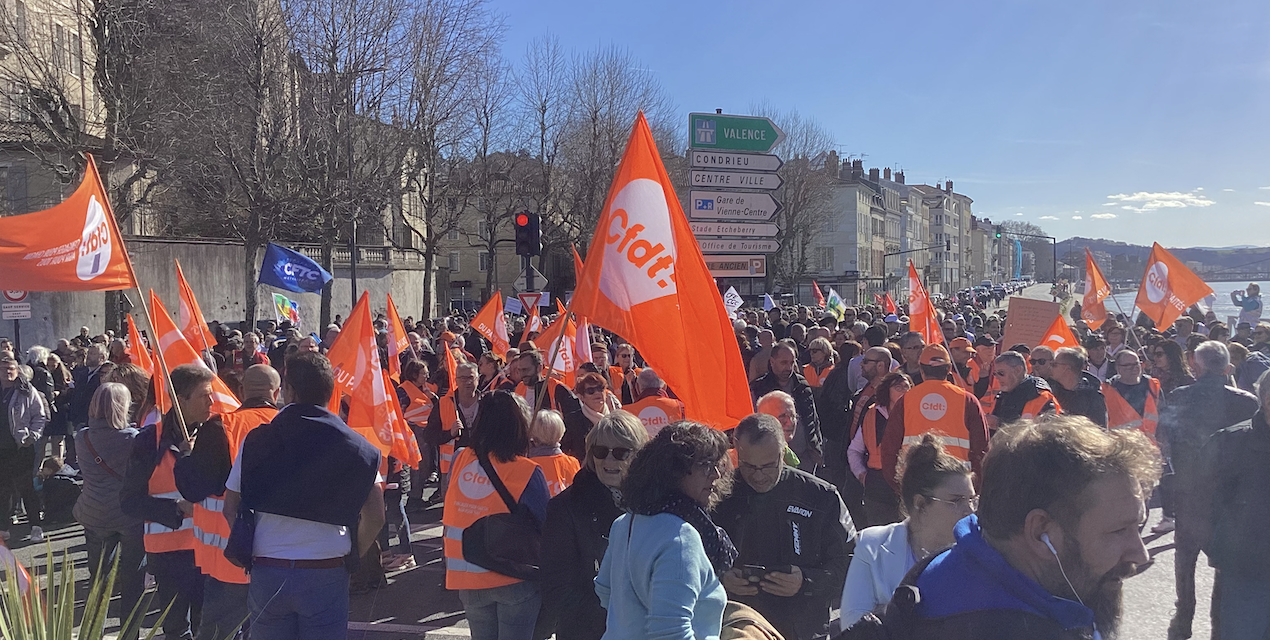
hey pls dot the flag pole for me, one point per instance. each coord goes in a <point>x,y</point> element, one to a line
<point>145,308</point>
<point>555,351</point>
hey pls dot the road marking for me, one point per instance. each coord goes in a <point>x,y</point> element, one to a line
<point>448,631</point>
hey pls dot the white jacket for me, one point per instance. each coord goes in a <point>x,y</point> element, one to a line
<point>882,558</point>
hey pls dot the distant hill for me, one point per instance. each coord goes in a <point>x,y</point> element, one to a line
<point>1210,257</point>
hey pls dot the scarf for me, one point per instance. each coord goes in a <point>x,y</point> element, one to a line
<point>718,545</point>
<point>593,415</point>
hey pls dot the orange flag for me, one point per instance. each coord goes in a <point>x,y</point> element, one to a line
<point>889,303</point>
<point>398,343</point>
<point>492,326</point>
<point>177,351</point>
<point>560,339</point>
<point>820,297</point>
<point>355,358</point>
<point>577,264</point>
<point>1059,335</point>
<point>137,351</point>
<point>404,446</point>
<point>646,280</point>
<point>1096,290</point>
<point>534,321</point>
<point>921,314</point>
<point>74,246</point>
<point>193,326</point>
<point>1168,288</point>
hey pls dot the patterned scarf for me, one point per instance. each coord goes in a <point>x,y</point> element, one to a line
<point>718,545</point>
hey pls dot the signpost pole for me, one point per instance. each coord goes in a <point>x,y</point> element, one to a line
<point>529,273</point>
<point>17,337</point>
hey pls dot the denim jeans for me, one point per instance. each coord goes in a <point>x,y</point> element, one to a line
<point>103,545</point>
<point>1244,613</point>
<point>299,604</point>
<point>396,523</point>
<point>224,609</point>
<point>502,613</point>
<point>181,584</point>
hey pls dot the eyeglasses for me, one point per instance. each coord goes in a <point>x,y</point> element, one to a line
<point>1038,362</point>
<point>710,468</point>
<point>964,502</point>
<point>600,452</point>
<point>763,469</point>
<point>590,390</point>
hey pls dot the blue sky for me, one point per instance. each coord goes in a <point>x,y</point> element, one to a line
<point>1156,112</point>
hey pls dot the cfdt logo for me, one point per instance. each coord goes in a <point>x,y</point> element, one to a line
<point>1157,282</point>
<point>94,246</point>
<point>933,406</point>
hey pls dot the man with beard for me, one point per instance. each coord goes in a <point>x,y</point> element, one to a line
<point>1046,556</point>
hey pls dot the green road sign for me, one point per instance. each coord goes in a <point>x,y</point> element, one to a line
<point>732,133</point>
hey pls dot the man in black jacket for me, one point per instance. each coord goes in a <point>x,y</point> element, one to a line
<point>807,442</point>
<point>792,532</point>
<point>1188,416</point>
<point>1079,392</point>
<point>1232,494</point>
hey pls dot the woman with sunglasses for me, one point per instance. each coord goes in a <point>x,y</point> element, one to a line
<point>578,522</point>
<point>660,575</point>
<point>594,402</point>
<point>1168,365</point>
<point>935,492</point>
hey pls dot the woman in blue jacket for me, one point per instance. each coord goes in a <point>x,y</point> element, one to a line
<point>659,577</point>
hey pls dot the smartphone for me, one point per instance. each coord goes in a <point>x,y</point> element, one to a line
<point>753,572</point>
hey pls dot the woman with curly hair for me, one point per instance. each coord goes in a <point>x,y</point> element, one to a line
<point>660,574</point>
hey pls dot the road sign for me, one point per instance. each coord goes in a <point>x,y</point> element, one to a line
<point>742,229</point>
<point>741,161</point>
<point>715,179</point>
<point>529,301</point>
<point>737,266</point>
<point>733,245</point>
<point>540,282</point>
<point>731,205</point>
<point>15,310</point>
<point>14,296</point>
<point>733,133</point>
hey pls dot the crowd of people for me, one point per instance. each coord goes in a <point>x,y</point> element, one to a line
<point>946,488</point>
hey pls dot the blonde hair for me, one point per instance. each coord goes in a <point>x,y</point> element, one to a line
<point>547,428</point>
<point>110,403</point>
<point>621,426</point>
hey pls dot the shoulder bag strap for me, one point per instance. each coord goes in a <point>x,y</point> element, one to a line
<point>97,457</point>
<point>497,482</point>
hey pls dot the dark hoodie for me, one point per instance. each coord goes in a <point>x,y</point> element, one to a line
<point>1085,400</point>
<point>1009,405</point>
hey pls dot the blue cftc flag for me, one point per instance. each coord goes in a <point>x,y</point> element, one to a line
<point>291,270</point>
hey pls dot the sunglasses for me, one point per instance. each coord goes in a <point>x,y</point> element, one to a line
<point>1038,362</point>
<point>600,452</point>
<point>590,390</point>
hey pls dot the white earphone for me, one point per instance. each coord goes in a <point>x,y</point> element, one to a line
<point>1045,537</point>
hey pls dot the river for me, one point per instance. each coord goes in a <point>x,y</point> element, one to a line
<point>1222,306</point>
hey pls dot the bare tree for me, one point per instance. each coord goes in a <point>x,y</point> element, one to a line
<point>496,188</point>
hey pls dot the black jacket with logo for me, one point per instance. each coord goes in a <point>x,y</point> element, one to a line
<point>803,522</point>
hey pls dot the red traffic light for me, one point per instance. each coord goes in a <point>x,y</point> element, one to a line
<point>522,219</point>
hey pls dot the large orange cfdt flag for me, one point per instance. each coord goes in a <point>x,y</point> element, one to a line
<point>1168,288</point>
<point>75,246</point>
<point>193,326</point>
<point>355,358</point>
<point>1096,290</point>
<point>921,313</point>
<point>177,351</point>
<point>1059,335</point>
<point>492,326</point>
<point>646,280</point>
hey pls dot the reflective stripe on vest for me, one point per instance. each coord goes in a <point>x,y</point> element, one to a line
<point>449,416</point>
<point>420,408</point>
<point>159,538</point>
<point>469,498</point>
<point>938,407</point>
<point>1121,414</point>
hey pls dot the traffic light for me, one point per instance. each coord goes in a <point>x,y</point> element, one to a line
<point>998,228</point>
<point>528,234</point>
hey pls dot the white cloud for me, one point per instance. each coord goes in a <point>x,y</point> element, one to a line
<point>1074,218</point>
<point>1228,190</point>
<point>1266,188</point>
<point>1019,214</point>
<point>1258,203</point>
<point>1103,216</point>
<point>1143,201</point>
<point>1199,188</point>
<point>1049,218</point>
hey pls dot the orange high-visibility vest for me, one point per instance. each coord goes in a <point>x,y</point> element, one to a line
<point>558,470</point>
<point>870,435</point>
<point>969,380</point>
<point>421,403</point>
<point>1120,414</point>
<point>549,389</point>
<point>656,412</point>
<point>816,379</point>
<point>211,530</point>
<point>938,406</point>
<point>449,416</point>
<point>159,538</point>
<point>857,411</point>
<point>1036,406</point>
<point>469,498</point>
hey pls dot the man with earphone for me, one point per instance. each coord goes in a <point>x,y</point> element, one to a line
<point>1045,556</point>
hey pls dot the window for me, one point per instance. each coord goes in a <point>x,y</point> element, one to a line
<point>822,258</point>
<point>484,260</point>
<point>20,20</point>
<point>453,233</point>
<point>482,230</point>
<point>454,261</point>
